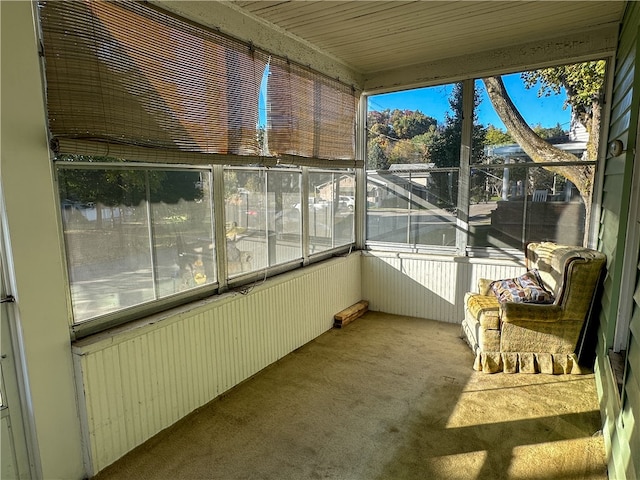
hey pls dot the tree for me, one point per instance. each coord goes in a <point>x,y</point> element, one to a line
<point>376,158</point>
<point>445,151</point>
<point>114,188</point>
<point>584,85</point>
<point>405,151</point>
<point>408,124</point>
<point>536,148</point>
<point>496,136</point>
<point>425,141</point>
<point>398,136</point>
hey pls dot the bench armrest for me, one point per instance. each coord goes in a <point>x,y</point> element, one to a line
<point>483,286</point>
<point>521,313</point>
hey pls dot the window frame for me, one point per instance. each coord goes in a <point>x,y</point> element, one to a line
<point>112,319</point>
<point>224,281</point>
<point>78,50</point>
<point>462,247</point>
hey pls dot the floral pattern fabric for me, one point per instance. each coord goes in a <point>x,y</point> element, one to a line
<point>526,288</point>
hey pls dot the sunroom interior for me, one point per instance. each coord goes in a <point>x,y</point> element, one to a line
<point>189,194</point>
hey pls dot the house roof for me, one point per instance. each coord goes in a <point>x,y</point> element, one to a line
<point>516,151</point>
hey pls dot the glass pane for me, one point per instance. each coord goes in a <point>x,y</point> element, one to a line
<point>284,221</point>
<point>182,231</point>
<point>413,159</point>
<point>122,250</point>
<point>555,208</point>
<point>331,207</point>
<point>106,232</point>
<point>245,220</point>
<point>263,224</point>
<point>512,206</point>
<point>420,126</point>
<point>509,205</point>
<point>412,207</point>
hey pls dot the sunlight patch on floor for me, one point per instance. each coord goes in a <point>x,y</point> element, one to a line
<point>448,466</point>
<point>499,398</point>
<point>580,458</point>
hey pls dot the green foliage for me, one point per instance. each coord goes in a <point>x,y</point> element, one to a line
<point>407,124</point>
<point>496,136</point>
<point>405,151</point>
<point>424,143</point>
<point>376,157</point>
<point>446,149</point>
<point>112,187</point>
<point>583,83</point>
<point>549,133</point>
<point>399,136</point>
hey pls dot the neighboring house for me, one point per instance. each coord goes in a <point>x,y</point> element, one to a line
<point>80,394</point>
<point>345,185</point>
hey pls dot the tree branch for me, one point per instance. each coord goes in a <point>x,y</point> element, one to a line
<point>535,147</point>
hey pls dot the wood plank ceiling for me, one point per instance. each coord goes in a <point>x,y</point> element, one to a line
<point>376,36</point>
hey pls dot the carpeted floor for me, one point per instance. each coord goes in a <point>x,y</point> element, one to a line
<point>387,397</point>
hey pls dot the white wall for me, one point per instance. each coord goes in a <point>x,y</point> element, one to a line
<point>427,286</point>
<point>35,247</point>
<point>145,378</point>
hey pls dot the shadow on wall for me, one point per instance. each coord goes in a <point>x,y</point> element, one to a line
<point>426,287</point>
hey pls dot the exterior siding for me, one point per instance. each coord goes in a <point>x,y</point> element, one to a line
<point>620,411</point>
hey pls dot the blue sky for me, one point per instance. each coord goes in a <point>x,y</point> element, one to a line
<point>433,101</point>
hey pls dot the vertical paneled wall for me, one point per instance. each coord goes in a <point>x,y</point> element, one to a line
<point>143,380</point>
<point>621,409</point>
<point>427,286</point>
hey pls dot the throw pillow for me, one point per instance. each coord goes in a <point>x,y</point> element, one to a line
<point>526,288</point>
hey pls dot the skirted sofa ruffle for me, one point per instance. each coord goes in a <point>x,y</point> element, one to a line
<point>527,362</point>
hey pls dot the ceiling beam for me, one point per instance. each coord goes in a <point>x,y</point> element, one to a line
<point>577,47</point>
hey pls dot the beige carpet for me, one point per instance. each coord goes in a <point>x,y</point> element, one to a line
<point>387,397</point>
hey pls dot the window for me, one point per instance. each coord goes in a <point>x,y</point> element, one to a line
<point>511,206</point>
<point>415,208</point>
<point>330,209</point>
<point>146,113</point>
<point>134,235</point>
<point>526,172</point>
<point>140,238</point>
<point>535,188</point>
<point>265,216</point>
<point>263,227</point>
<point>413,168</point>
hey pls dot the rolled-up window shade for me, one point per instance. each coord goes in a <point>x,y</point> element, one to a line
<point>127,78</point>
<point>309,115</point>
<point>126,73</point>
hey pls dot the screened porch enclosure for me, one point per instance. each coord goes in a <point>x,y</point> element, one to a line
<point>208,198</point>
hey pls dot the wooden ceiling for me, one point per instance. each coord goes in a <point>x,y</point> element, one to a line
<point>375,36</point>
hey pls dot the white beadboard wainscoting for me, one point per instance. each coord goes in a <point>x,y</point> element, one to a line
<point>138,381</point>
<point>427,286</point>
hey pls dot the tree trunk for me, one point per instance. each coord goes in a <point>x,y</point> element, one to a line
<point>538,149</point>
<point>535,147</point>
